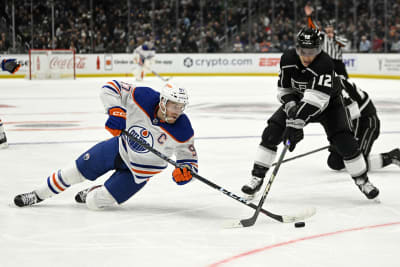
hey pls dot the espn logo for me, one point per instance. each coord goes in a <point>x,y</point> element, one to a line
<point>269,62</point>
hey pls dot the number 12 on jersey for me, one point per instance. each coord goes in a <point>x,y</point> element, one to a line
<point>325,80</point>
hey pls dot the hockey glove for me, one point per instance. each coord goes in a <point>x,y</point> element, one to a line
<point>293,132</point>
<point>10,65</point>
<point>182,175</point>
<point>116,121</point>
<point>290,109</point>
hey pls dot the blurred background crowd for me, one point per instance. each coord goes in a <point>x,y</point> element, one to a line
<point>189,26</point>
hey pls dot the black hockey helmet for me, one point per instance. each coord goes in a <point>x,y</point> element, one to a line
<point>308,42</point>
<point>329,23</point>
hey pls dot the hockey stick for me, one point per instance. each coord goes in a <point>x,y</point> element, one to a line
<point>252,220</point>
<point>279,218</point>
<point>158,75</point>
<point>303,155</point>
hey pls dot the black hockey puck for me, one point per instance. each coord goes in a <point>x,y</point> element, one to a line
<point>299,224</point>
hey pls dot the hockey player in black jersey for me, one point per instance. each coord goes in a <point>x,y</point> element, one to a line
<point>366,127</point>
<point>307,95</point>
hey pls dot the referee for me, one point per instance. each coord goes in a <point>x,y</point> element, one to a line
<point>332,43</point>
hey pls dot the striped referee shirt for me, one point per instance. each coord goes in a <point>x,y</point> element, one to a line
<point>333,46</point>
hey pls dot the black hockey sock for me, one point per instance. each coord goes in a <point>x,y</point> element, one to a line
<point>386,159</point>
<point>259,171</point>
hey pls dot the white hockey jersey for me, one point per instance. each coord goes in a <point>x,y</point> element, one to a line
<point>141,105</point>
<point>145,52</point>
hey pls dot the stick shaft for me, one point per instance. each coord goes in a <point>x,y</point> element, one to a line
<point>252,220</point>
<point>204,180</point>
<point>304,154</point>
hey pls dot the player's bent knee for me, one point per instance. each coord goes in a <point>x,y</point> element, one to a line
<point>272,136</point>
<point>99,199</point>
<point>346,145</point>
<point>335,162</point>
<point>72,175</point>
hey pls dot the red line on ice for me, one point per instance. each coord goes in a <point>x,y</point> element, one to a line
<point>255,251</point>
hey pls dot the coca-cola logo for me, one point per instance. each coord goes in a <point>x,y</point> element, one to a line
<point>57,62</point>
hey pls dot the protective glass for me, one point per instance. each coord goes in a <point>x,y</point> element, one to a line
<point>307,52</point>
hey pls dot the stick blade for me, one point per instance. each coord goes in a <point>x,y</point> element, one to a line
<point>301,216</point>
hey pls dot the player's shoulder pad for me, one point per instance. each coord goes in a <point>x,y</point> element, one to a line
<point>181,130</point>
<point>146,98</point>
<point>289,57</point>
<point>322,64</point>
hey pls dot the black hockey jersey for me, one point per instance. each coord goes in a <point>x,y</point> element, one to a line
<point>311,86</point>
<point>365,105</point>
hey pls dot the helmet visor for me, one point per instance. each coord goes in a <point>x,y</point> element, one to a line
<point>307,52</point>
<point>175,107</point>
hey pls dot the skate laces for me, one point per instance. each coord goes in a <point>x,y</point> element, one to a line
<point>29,198</point>
<point>365,185</point>
<point>254,182</point>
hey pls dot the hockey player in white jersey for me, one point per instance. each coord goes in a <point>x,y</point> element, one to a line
<point>12,67</point>
<point>143,56</point>
<point>156,118</point>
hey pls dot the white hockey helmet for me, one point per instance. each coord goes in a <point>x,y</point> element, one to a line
<point>174,93</point>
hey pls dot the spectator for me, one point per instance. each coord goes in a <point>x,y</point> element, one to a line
<point>365,45</point>
<point>396,45</point>
<point>131,46</point>
<point>286,43</point>
<point>3,49</point>
<point>237,45</point>
<point>265,46</point>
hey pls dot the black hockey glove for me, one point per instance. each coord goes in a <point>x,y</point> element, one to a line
<point>293,132</point>
<point>294,127</point>
<point>10,65</point>
<point>290,109</point>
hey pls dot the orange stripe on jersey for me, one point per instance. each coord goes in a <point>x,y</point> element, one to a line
<point>145,172</point>
<point>55,182</point>
<point>194,164</point>
<point>116,87</point>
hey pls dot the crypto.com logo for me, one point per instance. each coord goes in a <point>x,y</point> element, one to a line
<point>188,62</point>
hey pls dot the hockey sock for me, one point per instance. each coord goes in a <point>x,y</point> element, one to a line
<point>378,161</point>
<point>386,159</point>
<point>356,166</point>
<point>59,181</point>
<point>264,157</point>
<point>259,171</point>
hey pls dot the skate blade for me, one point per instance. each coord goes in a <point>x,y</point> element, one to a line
<point>248,197</point>
<point>233,224</point>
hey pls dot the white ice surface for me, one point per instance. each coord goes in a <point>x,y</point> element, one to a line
<point>50,123</point>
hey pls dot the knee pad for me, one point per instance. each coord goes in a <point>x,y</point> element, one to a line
<point>346,145</point>
<point>272,135</point>
<point>99,199</point>
<point>335,161</point>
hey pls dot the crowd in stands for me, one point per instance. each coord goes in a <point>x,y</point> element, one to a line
<point>189,26</point>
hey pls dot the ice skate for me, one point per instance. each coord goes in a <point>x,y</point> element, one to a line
<point>27,199</point>
<point>80,197</point>
<point>365,186</point>
<point>252,187</point>
<point>3,140</point>
<point>395,156</point>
